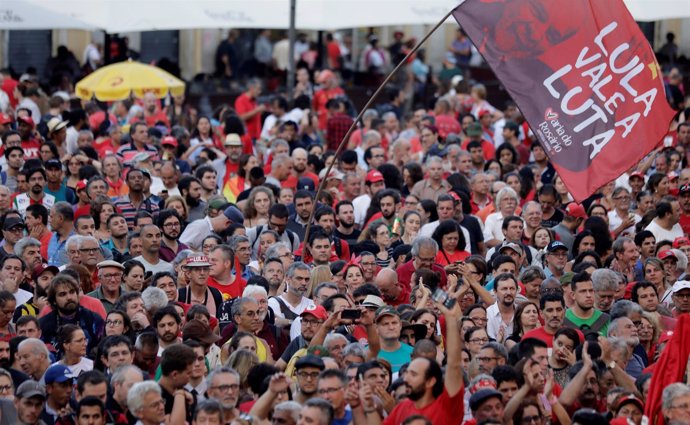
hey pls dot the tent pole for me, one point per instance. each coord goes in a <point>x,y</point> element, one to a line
<point>361,112</point>
<point>291,51</point>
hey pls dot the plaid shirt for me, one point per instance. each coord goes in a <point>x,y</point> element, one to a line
<point>336,129</point>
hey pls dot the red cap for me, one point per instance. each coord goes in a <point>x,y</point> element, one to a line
<point>81,185</point>
<point>639,174</point>
<point>27,120</point>
<point>317,311</point>
<point>169,140</point>
<point>667,254</point>
<point>681,241</point>
<point>5,119</point>
<point>325,75</point>
<point>374,176</point>
<point>672,175</point>
<point>576,210</point>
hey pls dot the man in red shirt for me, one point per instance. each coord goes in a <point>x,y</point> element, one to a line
<point>445,121</point>
<point>329,90</point>
<point>31,146</point>
<point>424,250</point>
<point>248,110</point>
<point>338,123</point>
<point>221,275</point>
<point>475,132</point>
<point>153,112</point>
<point>684,200</point>
<point>438,398</point>
<point>552,307</point>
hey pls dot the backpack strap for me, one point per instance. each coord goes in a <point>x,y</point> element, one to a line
<point>285,309</point>
<point>259,229</point>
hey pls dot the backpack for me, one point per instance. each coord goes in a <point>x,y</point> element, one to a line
<point>285,309</point>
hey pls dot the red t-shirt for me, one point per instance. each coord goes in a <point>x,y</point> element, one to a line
<point>446,125</point>
<point>685,223</point>
<point>445,410</point>
<point>322,97</point>
<point>487,147</point>
<point>244,104</point>
<point>540,334</point>
<point>234,290</point>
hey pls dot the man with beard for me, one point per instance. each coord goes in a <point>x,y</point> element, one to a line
<point>605,283</point>
<point>227,168</point>
<point>299,165</point>
<point>624,329</point>
<point>345,213</point>
<point>224,387</point>
<point>389,202</point>
<point>197,268</point>
<point>303,202</point>
<point>166,321</point>
<point>170,223</point>
<point>209,181</point>
<point>555,260</point>
<point>582,390</point>
<point>277,221</point>
<point>190,188</point>
<point>117,244</point>
<point>500,314</point>
<point>14,157</point>
<point>221,276</point>
<point>293,301</point>
<point>552,307</point>
<point>274,272</point>
<point>89,254</point>
<point>582,315</point>
<point>135,200</point>
<point>42,274</point>
<point>325,218</point>
<point>150,255</point>
<point>63,297</point>
<point>36,178</point>
<point>430,393</point>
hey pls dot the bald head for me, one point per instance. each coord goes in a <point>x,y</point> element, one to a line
<point>387,282</point>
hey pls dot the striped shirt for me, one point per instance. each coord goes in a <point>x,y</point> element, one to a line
<point>127,209</point>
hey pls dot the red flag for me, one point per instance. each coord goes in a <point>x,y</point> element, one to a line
<point>669,368</point>
<point>583,75</point>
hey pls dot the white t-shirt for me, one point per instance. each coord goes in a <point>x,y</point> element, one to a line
<point>361,205</point>
<point>615,221</point>
<point>84,365</point>
<point>662,234</point>
<point>162,266</point>
<point>22,296</point>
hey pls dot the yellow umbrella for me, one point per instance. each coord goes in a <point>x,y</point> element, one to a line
<point>119,80</point>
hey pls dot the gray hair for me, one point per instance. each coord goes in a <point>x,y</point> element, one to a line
<point>389,114</point>
<point>370,114</point>
<point>372,135</point>
<point>281,159</point>
<point>235,240</point>
<point>354,349</point>
<point>618,344</point>
<point>530,204</point>
<point>619,245</point>
<point>613,327</point>
<point>84,239</point>
<point>333,336</point>
<point>87,133</point>
<point>250,290</point>
<point>154,298</point>
<point>506,192</point>
<point>236,308</point>
<point>606,280</point>
<point>682,262</point>
<point>24,243</point>
<point>324,406</point>
<point>120,373</point>
<point>219,371</point>
<point>279,142</point>
<point>430,160</point>
<point>5,188</point>
<point>624,308</point>
<point>322,285</point>
<point>297,265</point>
<point>273,250</point>
<point>423,241</point>
<point>532,273</point>
<point>36,346</point>
<point>292,407</point>
<point>398,142</point>
<point>73,240</point>
<point>672,392</point>
<point>136,394</point>
<point>181,257</point>
<point>499,349</point>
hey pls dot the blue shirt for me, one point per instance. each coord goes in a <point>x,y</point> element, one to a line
<point>398,357</point>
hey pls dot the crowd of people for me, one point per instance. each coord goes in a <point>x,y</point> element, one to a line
<point>159,266</point>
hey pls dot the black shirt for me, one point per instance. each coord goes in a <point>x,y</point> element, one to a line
<point>169,400</point>
<point>351,239</point>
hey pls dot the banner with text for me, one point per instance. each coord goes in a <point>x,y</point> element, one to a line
<point>583,75</point>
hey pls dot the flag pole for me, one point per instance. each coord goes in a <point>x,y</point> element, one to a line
<point>359,117</point>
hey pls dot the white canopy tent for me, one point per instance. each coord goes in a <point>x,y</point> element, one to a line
<point>115,16</point>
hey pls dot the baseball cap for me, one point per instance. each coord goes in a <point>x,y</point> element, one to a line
<point>197,330</point>
<point>234,214</point>
<point>109,263</point>
<point>386,310</point>
<point>638,174</point>
<point>12,222</point>
<point>197,261</point>
<point>576,210</point>
<point>680,285</point>
<point>81,185</point>
<point>53,164</point>
<point>325,75</point>
<point>478,398</point>
<point>310,360</point>
<point>30,388</point>
<point>232,139</point>
<point>628,398</point>
<point>672,175</point>
<point>5,119</point>
<point>684,189</point>
<point>40,268</point>
<point>474,130</point>
<point>26,120</point>
<point>554,245</point>
<point>58,373</point>
<point>305,183</point>
<point>373,301</point>
<point>667,253</point>
<point>566,278</point>
<point>169,140</point>
<point>317,311</point>
<point>511,245</point>
<point>681,241</point>
<point>333,174</point>
<point>374,176</point>
<point>217,203</point>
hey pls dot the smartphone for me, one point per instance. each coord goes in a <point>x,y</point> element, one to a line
<point>350,314</point>
<point>441,296</point>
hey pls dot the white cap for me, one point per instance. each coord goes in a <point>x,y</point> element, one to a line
<point>680,285</point>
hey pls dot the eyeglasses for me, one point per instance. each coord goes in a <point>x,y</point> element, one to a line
<point>5,388</point>
<point>684,296</point>
<point>115,322</point>
<point>89,251</point>
<point>622,198</point>
<point>367,264</point>
<point>308,375</point>
<point>226,388</point>
<point>479,340</point>
<point>329,390</point>
<point>171,225</point>
<point>156,403</point>
<point>479,319</point>
<point>286,255</point>
<point>208,246</point>
<point>530,419</point>
<point>311,322</point>
<point>684,406</point>
<point>426,260</point>
<point>108,276</point>
<point>487,359</point>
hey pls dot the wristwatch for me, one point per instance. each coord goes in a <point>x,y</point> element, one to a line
<point>611,365</point>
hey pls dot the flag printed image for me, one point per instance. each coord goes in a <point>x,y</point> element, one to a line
<point>584,77</point>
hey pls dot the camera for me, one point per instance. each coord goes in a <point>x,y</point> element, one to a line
<point>441,296</point>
